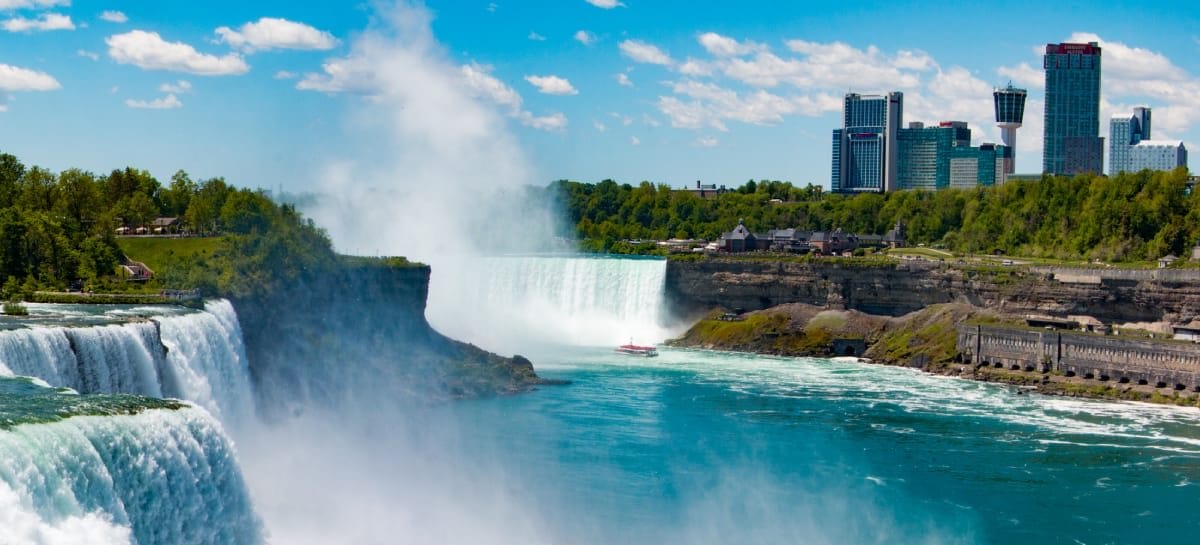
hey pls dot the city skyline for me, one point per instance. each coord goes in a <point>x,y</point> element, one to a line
<point>271,93</point>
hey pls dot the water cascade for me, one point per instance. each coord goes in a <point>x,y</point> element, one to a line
<point>195,356</point>
<point>507,303</point>
<point>159,477</point>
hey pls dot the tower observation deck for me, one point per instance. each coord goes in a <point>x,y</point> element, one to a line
<point>1010,111</point>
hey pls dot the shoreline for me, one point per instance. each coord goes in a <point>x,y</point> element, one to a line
<point>922,340</point>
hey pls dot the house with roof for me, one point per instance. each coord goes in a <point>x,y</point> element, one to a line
<point>740,239</point>
<point>833,242</point>
<point>895,238</point>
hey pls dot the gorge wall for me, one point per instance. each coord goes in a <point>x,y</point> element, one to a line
<point>898,288</point>
<point>363,326</point>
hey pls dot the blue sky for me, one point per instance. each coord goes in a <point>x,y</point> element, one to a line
<point>319,96</point>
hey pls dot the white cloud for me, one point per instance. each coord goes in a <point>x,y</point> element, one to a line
<point>650,121</point>
<point>584,37</point>
<point>169,102</point>
<point>273,33</point>
<point>556,122</point>
<point>181,87</point>
<point>707,142</point>
<point>46,22</point>
<point>699,105</point>
<point>624,119</point>
<point>552,85</point>
<point>10,5</point>
<point>1023,75</point>
<point>88,54</point>
<point>695,68</point>
<point>492,7</point>
<point>645,53</point>
<point>14,78</point>
<point>606,4</point>
<point>114,17</point>
<point>635,141</point>
<point>724,46</point>
<point>284,74</point>
<point>480,82</point>
<point>536,37</point>
<point>623,80</point>
<point>599,126</point>
<point>914,60</point>
<point>148,51</point>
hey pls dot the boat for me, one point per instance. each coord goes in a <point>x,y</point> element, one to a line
<point>635,350</point>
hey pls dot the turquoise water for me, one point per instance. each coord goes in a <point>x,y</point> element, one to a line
<point>703,447</point>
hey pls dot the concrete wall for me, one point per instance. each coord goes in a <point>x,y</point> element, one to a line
<point>1157,363</point>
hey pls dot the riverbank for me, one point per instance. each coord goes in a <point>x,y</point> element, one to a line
<point>925,339</point>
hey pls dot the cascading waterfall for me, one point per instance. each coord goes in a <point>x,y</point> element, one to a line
<point>159,477</point>
<point>206,361</point>
<point>508,302</point>
<point>195,356</point>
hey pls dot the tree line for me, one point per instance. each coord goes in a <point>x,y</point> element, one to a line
<point>59,230</point>
<point>1127,217</point>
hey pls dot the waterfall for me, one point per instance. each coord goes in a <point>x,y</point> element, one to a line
<point>507,302</point>
<point>206,361</point>
<point>159,477</point>
<point>197,356</point>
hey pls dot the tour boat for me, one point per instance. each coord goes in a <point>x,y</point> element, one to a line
<point>635,350</point>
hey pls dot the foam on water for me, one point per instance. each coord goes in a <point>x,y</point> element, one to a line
<point>160,477</point>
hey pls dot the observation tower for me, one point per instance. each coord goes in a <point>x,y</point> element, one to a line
<point>1010,111</point>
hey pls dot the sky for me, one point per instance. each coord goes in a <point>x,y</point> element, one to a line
<point>320,96</point>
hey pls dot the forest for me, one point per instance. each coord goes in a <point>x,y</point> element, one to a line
<point>1123,218</point>
<point>58,231</point>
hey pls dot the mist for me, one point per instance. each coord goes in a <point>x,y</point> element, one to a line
<point>443,176</point>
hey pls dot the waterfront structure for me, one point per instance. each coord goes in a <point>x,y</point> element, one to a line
<point>865,153</point>
<point>1009,104</point>
<point>937,157</point>
<point>1072,115</point>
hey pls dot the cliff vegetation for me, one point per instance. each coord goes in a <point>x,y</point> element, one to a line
<point>1127,217</point>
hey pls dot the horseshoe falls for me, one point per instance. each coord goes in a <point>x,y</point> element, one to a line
<point>510,303</point>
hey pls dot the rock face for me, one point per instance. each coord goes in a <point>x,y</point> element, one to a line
<point>364,328</point>
<point>896,289</point>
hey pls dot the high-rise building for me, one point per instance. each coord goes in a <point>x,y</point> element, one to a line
<point>1010,112</point>
<point>1132,150</point>
<point>941,156</point>
<point>1072,144</point>
<point>865,148</point>
<point>1125,132</point>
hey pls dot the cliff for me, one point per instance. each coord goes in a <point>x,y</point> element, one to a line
<point>363,326</point>
<point>895,288</point>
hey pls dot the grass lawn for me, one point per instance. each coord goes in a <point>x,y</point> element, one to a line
<point>159,253</point>
<point>922,252</point>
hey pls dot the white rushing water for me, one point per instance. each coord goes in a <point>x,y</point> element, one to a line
<point>195,356</point>
<point>162,476</point>
<point>507,303</point>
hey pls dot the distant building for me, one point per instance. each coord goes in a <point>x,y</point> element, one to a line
<point>1124,132</point>
<point>895,238</point>
<point>865,154</point>
<point>833,242</point>
<point>1157,155</point>
<point>938,157</point>
<point>740,239</point>
<point>1010,112</point>
<point>705,191</point>
<point>1072,112</point>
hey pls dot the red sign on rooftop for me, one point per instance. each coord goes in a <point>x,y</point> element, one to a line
<point>1073,49</point>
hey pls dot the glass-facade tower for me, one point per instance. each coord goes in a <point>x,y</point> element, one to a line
<point>1072,116</point>
<point>865,148</point>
